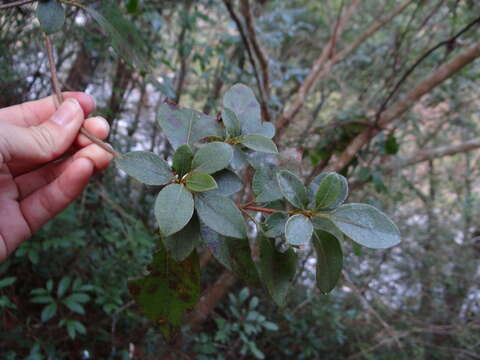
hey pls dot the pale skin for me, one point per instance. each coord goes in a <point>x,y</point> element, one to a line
<point>34,187</point>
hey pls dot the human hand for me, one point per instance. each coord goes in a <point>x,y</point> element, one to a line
<point>33,189</point>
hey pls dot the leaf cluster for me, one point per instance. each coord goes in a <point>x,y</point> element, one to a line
<point>195,206</point>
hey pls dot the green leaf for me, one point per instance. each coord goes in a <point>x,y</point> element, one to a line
<point>274,225</point>
<point>228,183</point>
<point>277,269</point>
<point>329,260</point>
<point>212,157</point>
<point>324,224</point>
<point>39,291</point>
<point>243,295</point>
<point>366,225</point>
<point>79,327</point>
<point>63,286</point>
<point>242,101</point>
<point>270,326</point>
<point>49,285</point>
<point>265,185</point>
<point>298,230</point>
<point>332,191</point>
<point>292,189</point>
<point>170,290</point>
<point>231,122</point>
<point>7,281</point>
<point>145,167</point>
<point>240,158</point>
<point>217,244</point>
<point>220,214</point>
<point>391,145</point>
<point>42,299</point>
<point>181,244</point>
<point>234,254</point>
<point>182,160</point>
<point>259,143</point>
<point>79,298</point>
<point>199,182</point>
<point>48,312</point>
<point>71,330</point>
<point>173,209</point>
<point>73,305</point>
<point>185,126</point>
<point>51,15</point>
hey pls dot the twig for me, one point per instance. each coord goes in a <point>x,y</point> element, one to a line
<point>322,67</point>
<point>53,71</point>
<point>448,43</point>
<point>246,42</point>
<point>370,309</point>
<point>16,3</point>
<point>397,109</point>
<point>59,99</point>
<point>260,209</point>
<point>259,51</point>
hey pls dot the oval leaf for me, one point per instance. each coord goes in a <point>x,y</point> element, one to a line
<point>221,214</point>
<point>185,126</point>
<point>231,122</point>
<point>329,260</point>
<point>292,189</point>
<point>228,183</point>
<point>173,209</point>
<point>145,167</point>
<point>324,224</point>
<point>51,16</point>
<point>48,312</point>
<point>265,185</point>
<point>198,182</point>
<point>181,244</point>
<point>274,225</point>
<point>298,230</point>
<point>259,143</point>
<point>182,160</point>
<point>332,191</point>
<point>217,244</point>
<point>212,157</point>
<point>366,225</point>
<point>242,101</point>
<point>234,254</point>
<point>277,269</point>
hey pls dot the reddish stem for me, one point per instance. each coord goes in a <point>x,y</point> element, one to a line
<point>260,209</point>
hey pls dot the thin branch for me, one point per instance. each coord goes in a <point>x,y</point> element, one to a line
<point>430,154</point>
<point>263,97</point>
<point>370,309</point>
<point>16,3</point>
<point>448,43</point>
<point>53,72</point>
<point>260,209</point>
<point>291,111</point>
<point>259,51</point>
<point>321,69</point>
<point>403,105</point>
<point>59,98</point>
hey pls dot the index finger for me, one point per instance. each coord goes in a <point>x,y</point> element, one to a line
<point>33,113</point>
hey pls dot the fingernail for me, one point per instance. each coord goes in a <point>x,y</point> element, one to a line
<point>66,112</point>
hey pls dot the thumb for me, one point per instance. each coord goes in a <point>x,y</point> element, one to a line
<point>49,140</point>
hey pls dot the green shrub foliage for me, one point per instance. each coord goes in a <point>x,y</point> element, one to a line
<point>198,205</point>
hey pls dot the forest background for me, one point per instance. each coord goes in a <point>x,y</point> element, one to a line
<point>384,92</point>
